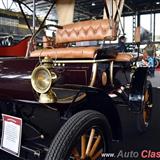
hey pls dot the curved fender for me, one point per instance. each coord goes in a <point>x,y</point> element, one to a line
<point>99,100</point>
<point>136,96</point>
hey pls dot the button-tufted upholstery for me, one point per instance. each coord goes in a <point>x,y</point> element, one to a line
<point>87,31</point>
<point>83,31</point>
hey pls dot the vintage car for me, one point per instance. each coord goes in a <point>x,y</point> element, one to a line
<point>66,97</point>
<point>7,47</point>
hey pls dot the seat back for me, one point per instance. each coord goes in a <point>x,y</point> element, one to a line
<point>90,30</point>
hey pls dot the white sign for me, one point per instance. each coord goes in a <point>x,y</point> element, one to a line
<point>11,134</point>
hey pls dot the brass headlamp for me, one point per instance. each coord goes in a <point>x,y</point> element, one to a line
<point>42,79</point>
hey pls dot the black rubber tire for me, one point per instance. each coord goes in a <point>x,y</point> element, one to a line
<point>141,125</point>
<point>72,129</point>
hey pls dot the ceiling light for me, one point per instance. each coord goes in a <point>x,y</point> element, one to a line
<point>93,4</point>
<point>157,3</point>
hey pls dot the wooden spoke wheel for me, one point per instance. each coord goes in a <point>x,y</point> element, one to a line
<point>144,118</point>
<point>90,147</point>
<point>85,136</point>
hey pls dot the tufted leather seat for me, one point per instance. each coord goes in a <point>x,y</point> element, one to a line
<point>87,31</point>
<point>103,29</point>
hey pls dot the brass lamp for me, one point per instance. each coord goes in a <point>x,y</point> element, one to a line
<point>42,79</point>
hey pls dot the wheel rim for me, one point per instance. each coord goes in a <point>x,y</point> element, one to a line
<point>90,145</point>
<point>156,63</point>
<point>147,109</point>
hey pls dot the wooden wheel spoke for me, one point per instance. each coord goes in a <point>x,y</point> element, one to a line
<point>145,111</point>
<point>145,115</point>
<point>90,141</point>
<point>76,154</point>
<point>96,155</point>
<point>83,147</point>
<point>89,149</point>
<point>146,96</point>
<point>94,148</point>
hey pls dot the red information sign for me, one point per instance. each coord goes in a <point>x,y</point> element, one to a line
<point>11,134</point>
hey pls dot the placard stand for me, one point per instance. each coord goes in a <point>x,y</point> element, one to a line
<point>11,134</point>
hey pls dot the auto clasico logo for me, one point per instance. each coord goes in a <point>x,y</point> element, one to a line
<point>145,154</point>
<point>130,154</point>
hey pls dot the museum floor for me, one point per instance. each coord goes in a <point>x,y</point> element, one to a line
<point>133,141</point>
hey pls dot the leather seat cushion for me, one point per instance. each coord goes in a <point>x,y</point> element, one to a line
<point>124,57</point>
<point>77,53</point>
<point>66,53</point>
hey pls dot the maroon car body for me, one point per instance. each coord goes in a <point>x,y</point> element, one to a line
<point>66,95</point>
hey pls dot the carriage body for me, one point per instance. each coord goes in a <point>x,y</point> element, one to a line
<point>64,94</point>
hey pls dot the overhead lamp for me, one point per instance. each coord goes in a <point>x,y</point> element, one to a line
<point>157,3</point>
<point>93,4</point>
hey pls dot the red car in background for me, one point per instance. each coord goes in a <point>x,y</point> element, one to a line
<point>7,48</point>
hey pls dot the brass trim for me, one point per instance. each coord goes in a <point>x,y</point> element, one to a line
<point>111,72</point>
<point>82,61</point>
<point>49,97</point>
<point>104,78</point>
<point>93,75</point>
